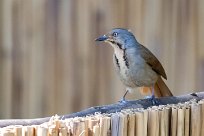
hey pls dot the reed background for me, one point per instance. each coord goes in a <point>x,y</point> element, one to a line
<point>49,61</point>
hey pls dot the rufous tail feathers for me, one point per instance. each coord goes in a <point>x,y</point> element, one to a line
<point>160,89</point>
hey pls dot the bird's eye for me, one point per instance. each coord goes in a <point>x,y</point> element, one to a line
<point>115,34</point>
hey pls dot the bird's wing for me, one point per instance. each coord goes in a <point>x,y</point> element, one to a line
<point>152,61</point>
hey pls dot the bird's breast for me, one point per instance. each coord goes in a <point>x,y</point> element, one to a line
<point>122,66</point>
<point>133,70</point>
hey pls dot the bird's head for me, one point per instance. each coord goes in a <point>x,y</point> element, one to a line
<point>119,38</point>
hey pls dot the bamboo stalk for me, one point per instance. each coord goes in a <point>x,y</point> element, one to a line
<point>174,116</point>
<point>63,132</point>
<point>96,130</point>
<point>195,120</point>
<point>122,124</point>
<point>145,123</point>
<point>53,131</point>
<point>115,120</point>
<point>67,126</point>
<point>131,124</point>
<point>164,121</point>
<point>153,122</point>
<point>91,122</point>
<point>8,133</point>
<point>108,125</point>
<point>202,117</point>
<point>187,121</point>
<point>42,131</point>
<point>181,121</point>
<point>69,132</point>
<point>18,130</point>
<point>139,126</point>
<point>30,130</point>
<point>105,126</point>
<point>78,128</point>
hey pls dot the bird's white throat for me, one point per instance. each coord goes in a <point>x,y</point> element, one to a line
<point>122,60</point>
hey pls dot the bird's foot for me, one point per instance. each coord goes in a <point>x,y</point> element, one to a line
<point>153,100</point>
<point>123,100</point>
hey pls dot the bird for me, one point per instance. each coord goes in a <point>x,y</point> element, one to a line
<point>135,64</point>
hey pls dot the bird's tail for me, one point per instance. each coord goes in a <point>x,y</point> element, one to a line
<point>161,89</point>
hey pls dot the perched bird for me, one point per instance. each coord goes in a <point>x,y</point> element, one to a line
<point>135,64</point>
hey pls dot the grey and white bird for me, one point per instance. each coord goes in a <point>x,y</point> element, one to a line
<point>135,64</point>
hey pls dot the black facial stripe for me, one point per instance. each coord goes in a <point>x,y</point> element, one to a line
<point>118,44</point>
<point>125,59</point>
<point>117,62</point>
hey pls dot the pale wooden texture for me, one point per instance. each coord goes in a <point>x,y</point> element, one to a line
<point>139,123</point>
<point>195,128</point>
<point>164,115</point>
<point>123,128</point>
<point>174,118</point>
<point>155,120</point>
<point>49,61</point>
<point>131,124</point>
<point>202,120</point>
<point>180,122</point>
<point>187,122</point>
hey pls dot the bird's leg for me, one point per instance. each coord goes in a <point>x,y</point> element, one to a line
<point>125,95</point>
<point>152,97</point>
<point>123,99</point>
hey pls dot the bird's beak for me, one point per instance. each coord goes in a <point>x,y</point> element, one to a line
<point>102,38</point>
